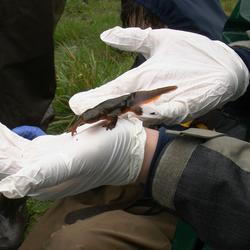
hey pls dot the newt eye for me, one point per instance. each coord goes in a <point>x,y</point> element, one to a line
<point>152,113</point>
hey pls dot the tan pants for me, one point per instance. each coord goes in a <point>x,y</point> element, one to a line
<point>107,231</point>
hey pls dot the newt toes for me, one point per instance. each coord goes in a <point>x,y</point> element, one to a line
<point>73,130</point>
<point>78,123</point>
<point>109,110</point>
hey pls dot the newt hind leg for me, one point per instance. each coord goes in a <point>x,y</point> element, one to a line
<point>136,109</point>
<point>110,122</point>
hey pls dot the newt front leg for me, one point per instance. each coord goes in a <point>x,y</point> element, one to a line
<point>78,123</point>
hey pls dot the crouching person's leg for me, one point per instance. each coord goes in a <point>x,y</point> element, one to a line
<point>115,229</point>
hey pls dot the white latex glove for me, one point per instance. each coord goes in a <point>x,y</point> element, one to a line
<point>208,74</point>
<point>51,167</point>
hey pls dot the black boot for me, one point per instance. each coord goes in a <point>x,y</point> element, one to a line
<point>13,221</point>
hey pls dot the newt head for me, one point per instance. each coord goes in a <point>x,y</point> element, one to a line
<point>89,116</point>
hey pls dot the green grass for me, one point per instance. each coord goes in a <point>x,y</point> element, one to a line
<point>83,61</point>
<point>35,209</point>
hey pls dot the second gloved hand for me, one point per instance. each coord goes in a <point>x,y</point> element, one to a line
<point>207,73</point>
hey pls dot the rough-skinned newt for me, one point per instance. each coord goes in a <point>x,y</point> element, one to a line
<point>109,110</point>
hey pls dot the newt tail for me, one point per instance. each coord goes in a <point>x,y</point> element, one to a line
<point>147,96</point>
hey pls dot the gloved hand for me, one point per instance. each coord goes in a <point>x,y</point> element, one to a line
<point>208,74</point>
<point>28,132</point>
<point>54,166</point>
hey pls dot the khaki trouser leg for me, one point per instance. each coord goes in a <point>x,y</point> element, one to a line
<point>110,230</point>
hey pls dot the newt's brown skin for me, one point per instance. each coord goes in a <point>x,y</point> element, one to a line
<point>109,110</point>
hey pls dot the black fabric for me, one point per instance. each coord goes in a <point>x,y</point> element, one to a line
<point>199,16</point>
<point>213,196</point>
<point>244,55</point>
<point>27,82</point>
<point>13,222</point>
<point>140,59</point>
<point>240,106</point>
<point>27,76</point>
<point>223,122</point>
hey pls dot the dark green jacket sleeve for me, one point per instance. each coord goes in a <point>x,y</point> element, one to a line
<point>205,178</point>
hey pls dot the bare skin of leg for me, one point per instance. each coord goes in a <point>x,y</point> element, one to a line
<point>150,146</point>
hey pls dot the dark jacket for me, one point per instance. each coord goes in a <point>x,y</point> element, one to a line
<point>200,16</point>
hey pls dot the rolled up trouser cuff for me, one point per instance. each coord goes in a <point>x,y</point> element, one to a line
<point>169,169</point>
